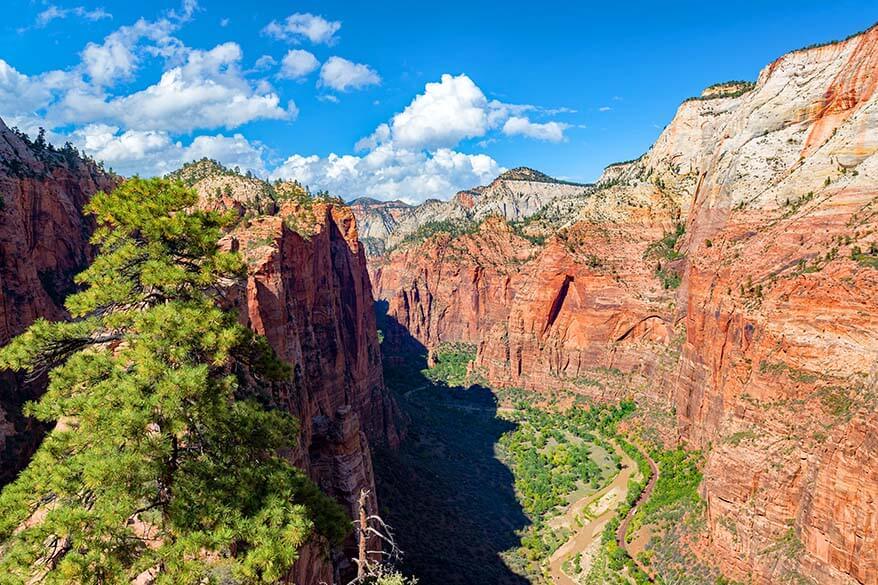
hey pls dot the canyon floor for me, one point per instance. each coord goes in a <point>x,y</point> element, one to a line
<point>458,497</point>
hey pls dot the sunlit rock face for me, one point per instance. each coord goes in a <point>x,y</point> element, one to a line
<point>759,329</point>
<point>308,291</point>
<point>514,195</point>
<point>43,244</point>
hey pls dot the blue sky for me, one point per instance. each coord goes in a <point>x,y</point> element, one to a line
<point>388,99</point>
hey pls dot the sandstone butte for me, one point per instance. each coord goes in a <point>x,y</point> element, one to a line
<point>761,350</point>
<point>307,291</point>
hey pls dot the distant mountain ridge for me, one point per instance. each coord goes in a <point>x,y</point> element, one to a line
<point>514,195</point>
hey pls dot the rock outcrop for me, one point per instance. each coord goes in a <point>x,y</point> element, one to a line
<point>43,244</point>
<point>755,320</point>
<point>308,292</point>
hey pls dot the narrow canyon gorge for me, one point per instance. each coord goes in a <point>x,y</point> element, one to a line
<point>717,295</point>
<point>731,270</point>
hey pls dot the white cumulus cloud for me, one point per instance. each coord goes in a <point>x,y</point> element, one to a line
<point>343,75</point>
<point>296,64</point>
<point>413,156</point>
<point>300,26</point>
<point>522,126</point>
<point>389,173</point>
<point>207,91</point>
<point>149,152</point>
<point>447,112</point>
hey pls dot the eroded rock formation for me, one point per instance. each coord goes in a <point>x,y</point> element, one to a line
<point>43,244</point>
<point>756,322</point>
<point>514,195</point>
<point>308,292</point>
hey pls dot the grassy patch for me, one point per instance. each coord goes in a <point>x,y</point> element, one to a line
<point>451,362</point>
<point>836,401</point>
<point>665,250</point>
<point>869,259</point>
<point>794,374</point>
<point>737,438</point>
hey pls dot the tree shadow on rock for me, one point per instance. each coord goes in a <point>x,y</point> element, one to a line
<point>450,501</point>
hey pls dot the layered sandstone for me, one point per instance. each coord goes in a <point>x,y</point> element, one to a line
<point>43,244</point>
<point>766,347</point>
<point>450,289</point>
<point>308,292</point>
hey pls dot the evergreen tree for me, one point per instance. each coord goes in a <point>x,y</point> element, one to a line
<point>162,461</point>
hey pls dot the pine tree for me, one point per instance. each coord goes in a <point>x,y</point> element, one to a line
<point>162,462</point>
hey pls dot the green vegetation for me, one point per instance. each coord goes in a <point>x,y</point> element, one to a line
<point>454,228</point>
<point>733,89</point>
<point>262,196</point>
<point>556,458</point>
<point>670,279</point>
<point>787,545</point>
<point>791,206</point>
<point>673,499</point>
<point>837,401</point>
<point>197,170</point>
<point>665,250</point>
<point>520,229</point>
<point>739,437</point>
<point>450,363</point>
<point>163,459</point>
<point>676,491</point>
<point>551,452</point>
<point>47,153</point>
<point>777,368</point>
<point>868,259</point>
<point>834,42</point>
<point>624,162</point>
<point>612,560</point>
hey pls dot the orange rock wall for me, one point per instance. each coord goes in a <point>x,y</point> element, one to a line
<point>767,351</point>
<point>43,244</point>
<point>312,298</point>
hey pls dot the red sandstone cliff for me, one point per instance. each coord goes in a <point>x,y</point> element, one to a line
<point>43,244</point>
<point>451,289</point>
<point>308,291</point>
<point>766,350</point>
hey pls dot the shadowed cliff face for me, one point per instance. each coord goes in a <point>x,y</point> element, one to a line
<point>757,324</point>
<point>308,292</point>
<point>451,502</point>
<point>43,244</point>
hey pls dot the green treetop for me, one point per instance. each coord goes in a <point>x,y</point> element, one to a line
<point>160,462</point>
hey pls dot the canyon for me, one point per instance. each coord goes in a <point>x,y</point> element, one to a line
<point>727,278</point>
<point>307,290</point>
<point>726,281</point>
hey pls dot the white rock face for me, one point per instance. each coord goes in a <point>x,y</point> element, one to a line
<point>514,195</point>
